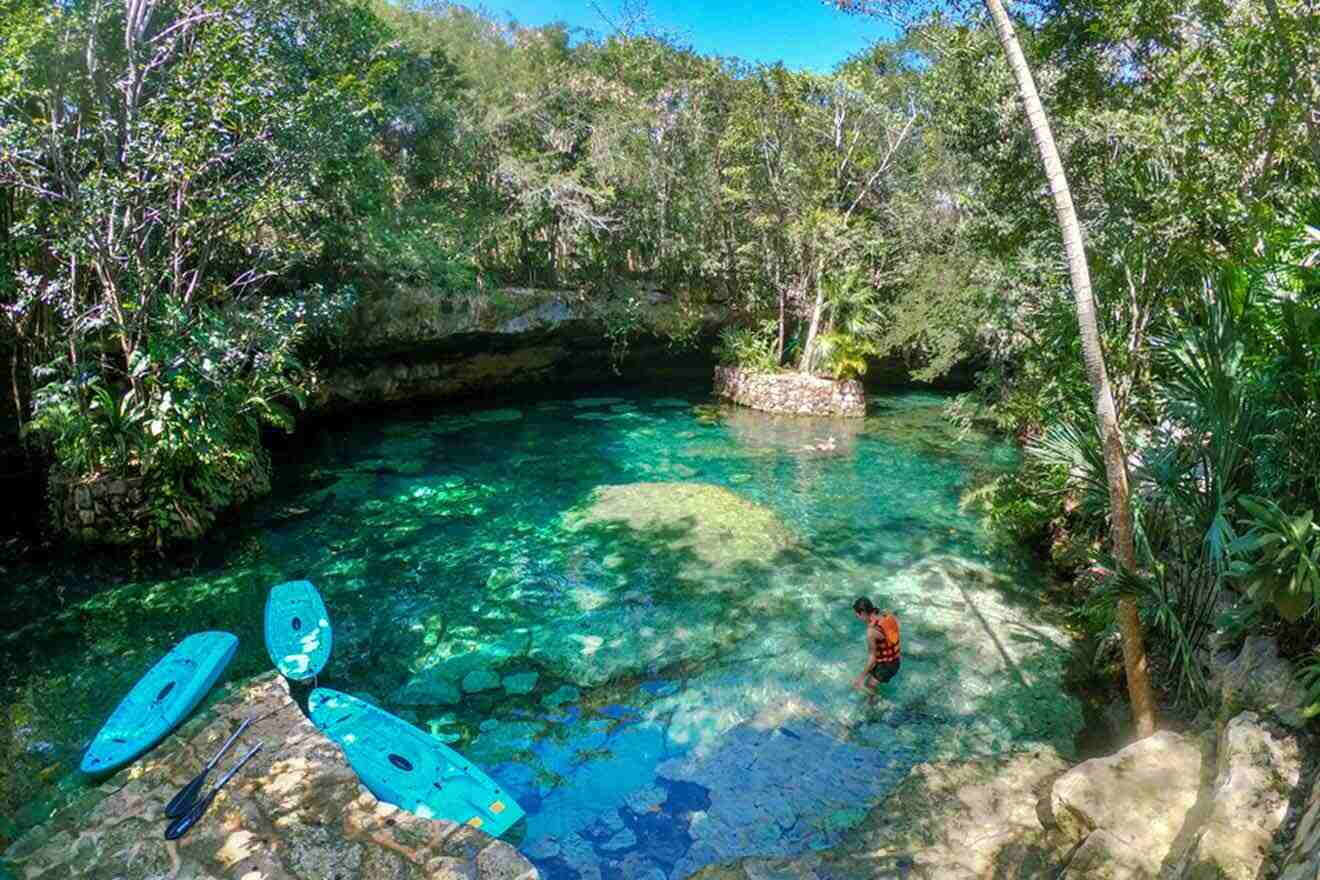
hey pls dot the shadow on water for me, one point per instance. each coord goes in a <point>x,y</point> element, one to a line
<point>659,673</point>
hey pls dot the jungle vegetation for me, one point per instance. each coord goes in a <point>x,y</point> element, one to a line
<point>193,193</point>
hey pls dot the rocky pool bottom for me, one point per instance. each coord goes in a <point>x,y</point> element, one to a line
<point>633,611</point>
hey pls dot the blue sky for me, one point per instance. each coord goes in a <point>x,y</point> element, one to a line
<point>801,33</point>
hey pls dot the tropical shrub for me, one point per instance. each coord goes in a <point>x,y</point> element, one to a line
<point>844,355</point>
<point>1278,559</point>
<point>753,348</point>
<point>169,175</point>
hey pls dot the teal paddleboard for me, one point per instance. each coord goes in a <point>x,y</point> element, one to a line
<point>160,700</point>
<point>298,635</point>
<point>401,765</point>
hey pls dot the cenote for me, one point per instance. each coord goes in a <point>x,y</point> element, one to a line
<point>633,610</point>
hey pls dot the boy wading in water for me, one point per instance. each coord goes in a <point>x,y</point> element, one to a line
<point>882,643</point>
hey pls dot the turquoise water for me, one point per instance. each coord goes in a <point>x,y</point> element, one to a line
<point>632,610</point>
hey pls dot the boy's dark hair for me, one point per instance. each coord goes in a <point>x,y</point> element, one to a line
<point>863,606</point>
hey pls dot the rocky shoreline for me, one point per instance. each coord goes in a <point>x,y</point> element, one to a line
<point>1238,800</point>
<point>297,812</point>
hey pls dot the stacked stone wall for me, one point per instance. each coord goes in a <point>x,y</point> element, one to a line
<point>792,393</point>
<point>114,510</point>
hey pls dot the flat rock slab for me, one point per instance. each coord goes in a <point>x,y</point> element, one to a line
<point>296,812</point>
<point>1141,796</point>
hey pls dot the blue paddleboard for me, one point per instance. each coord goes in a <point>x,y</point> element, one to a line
<point>401,765</point>
<point>160,700</point>
<point>298,635</point>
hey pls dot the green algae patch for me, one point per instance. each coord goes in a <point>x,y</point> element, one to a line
<point>706,527</point>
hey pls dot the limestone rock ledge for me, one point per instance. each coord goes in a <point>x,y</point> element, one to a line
<point>296,812</point>
<point>953,820</point>
<point>793,393</point>
<point>114,509</point>
<point>1156,809</point>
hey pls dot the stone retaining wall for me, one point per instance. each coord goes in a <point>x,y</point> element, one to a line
<point>793,393</point>
<point>115,511</point>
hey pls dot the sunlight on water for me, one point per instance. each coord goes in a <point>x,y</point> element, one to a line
<point>633,611</point>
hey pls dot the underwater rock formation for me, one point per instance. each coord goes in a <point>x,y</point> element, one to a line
<point>713,526</point>
<point>948,820</point>
<point>295,812</point>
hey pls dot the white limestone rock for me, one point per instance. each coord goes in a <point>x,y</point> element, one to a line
<point>1104,856</point>
<point>1140,795</point>
<point>1302,861</point>
<point>1259,679</point>
<point>1258,769</point>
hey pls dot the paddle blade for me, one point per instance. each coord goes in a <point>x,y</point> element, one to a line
<point>182,802</point>
<point>184,823</point>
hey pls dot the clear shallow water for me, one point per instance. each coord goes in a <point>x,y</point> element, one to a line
<point>634,611</point>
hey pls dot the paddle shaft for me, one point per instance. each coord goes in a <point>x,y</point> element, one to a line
<point>229,742</point>
<point>239,766</point>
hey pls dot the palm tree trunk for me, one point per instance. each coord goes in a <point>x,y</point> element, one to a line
<point>809,350</point>
<point>1120,502</point>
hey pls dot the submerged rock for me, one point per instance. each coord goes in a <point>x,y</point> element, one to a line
<point>296,812</point>
<point>428,689</point>
<point>561,695</point>
<point>497,415</point>
<point>961,819</point>
<point>521,682</point>
<point>703,527</point>
<point>481,680</point>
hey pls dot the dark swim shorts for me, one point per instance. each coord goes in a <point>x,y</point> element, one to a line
<point>883,672</point>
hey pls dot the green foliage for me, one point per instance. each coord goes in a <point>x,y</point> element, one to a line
<point>1163,612</point>
<point>1279,558</point>
<point>753,348</point>
<point>169,177</point>
<point>844,354</point>
<point>1308,676</point>
<point>1020,507</point>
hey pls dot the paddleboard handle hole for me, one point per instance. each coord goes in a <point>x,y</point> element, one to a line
<point>400,761</point>
<point>297,623</point>
<point>164,691</point>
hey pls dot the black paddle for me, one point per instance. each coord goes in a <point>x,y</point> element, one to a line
<point>183,801</point>
<point>181,825</point>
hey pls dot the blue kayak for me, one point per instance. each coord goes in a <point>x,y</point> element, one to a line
<point>160,700</point>
<point>401,765</point>
<point>298,635</point>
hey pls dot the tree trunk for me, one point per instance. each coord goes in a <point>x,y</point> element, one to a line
<point>779,352</point>
<point>809,349</point>
<point>1134,649</point>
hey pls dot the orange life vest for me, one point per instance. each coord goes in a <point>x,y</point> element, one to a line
<point>888,651</point>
